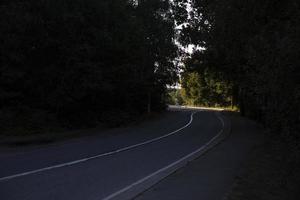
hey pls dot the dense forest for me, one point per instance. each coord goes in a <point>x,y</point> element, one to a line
<point>202,88</point>
<point>252,49</point>
<point>75,63</point>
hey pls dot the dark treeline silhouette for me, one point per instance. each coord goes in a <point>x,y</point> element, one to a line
<point>75,63</point>
<point>253,47</point>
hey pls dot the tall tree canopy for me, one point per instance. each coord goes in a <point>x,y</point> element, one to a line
<point>66,59</point>
<point>254,47</point>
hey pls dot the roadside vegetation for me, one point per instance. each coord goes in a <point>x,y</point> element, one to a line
<point>200,89</point>
<point>251,58</point>
<point>68,64</point>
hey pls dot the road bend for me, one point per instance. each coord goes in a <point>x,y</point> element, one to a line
<point>94,168</point>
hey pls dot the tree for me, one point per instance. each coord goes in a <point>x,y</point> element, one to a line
<point>74,58</point>
<point>254,47</point>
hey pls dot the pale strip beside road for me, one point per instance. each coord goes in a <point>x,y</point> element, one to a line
<point>98,177</point>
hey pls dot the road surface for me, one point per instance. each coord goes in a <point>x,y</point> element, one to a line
<point>212,175</point>
<point>103,167</point>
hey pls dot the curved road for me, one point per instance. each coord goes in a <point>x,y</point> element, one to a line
<point>96,168</point>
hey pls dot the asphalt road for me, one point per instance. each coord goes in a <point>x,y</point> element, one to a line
<point>214,174</point>
<point>93,168</point>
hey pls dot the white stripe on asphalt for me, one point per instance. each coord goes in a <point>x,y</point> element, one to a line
<point>113,195</point>
<point>98,156</point>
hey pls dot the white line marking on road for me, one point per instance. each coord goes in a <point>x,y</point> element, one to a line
<point>100,155</point>
<point>111,196</point>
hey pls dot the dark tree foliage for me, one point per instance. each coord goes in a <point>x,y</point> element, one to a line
<point>77,62</point>
<point>254,46</point>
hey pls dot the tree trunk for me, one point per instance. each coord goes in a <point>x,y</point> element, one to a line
<point>149,103</point>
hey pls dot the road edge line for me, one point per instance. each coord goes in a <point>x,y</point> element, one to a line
<point>138,187</point>
<point>6,178</point>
